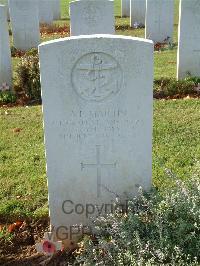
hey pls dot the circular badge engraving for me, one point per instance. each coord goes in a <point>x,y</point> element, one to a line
<point>91,15</point>
<point>96,76</point>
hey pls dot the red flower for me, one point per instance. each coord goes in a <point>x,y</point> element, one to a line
<point>48,247</point>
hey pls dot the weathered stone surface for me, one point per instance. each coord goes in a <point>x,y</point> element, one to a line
<point>189,39</point>
<point>5,54</point>
<point>125,8</point>
<point>138,11</point>
<point>46,11</point>
<point>159,20</point>
<point>97,109</point>
<point>56,9</point>
<point>25,23</point>
<point>92,17</point>
<point>5,3</point>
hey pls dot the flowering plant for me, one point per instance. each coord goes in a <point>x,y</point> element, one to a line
<point>160,228</point>
<point>6,95</point>
<point>4,87</point>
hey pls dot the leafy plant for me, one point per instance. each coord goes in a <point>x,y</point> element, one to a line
<point>6,95</point>
<point>194,79</point>
<point>159,229</point>
<point>169,87</point>
<point>28,76</point>
<point>5,234</point>
<point>54,29</point>
<point>16,52</point>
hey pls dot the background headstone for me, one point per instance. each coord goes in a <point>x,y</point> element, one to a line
<point>138,12</point>
<point>97,109</point>
<point>189,39</point>
<point>5,54</point>
<point>46,11</point>
<point>125,8</point>
<point>159,20</point>
<point>56,9</point>
<point>5,3</point>
<point>8,14</point>
<point>25,23</point>
<point>92,17</point>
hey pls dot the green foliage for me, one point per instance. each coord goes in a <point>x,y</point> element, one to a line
<point>165,87</point>
<point>7,97</point>
<point>16,207</point>
<point>32,52</point>
<point>16,52</point>
<point>5,235</point>
<point>195,80</point>
<point>158,229</point>
<point>28,76</point>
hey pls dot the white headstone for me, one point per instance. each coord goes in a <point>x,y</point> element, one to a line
<point>8,14</point>
<point>97,106</point>
<point>159,20</point>
<point>125,8</point>
<point>138,12</point>
<point>46,11</point>
<point>5,54</point>
<point>25,23</point>
<point>56,9</point>
<point>92,17</point>
<point>189,39</point>
<point>5,3</point>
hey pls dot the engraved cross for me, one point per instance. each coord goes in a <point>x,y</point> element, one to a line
<point>96,65</point>
<point>98,166</point>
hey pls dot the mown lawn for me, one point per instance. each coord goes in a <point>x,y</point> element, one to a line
<point>176,148</point>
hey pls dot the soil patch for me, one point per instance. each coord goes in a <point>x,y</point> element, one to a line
<point>19,247</point>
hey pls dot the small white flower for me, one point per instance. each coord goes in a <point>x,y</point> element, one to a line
<point>138,25</point>
<point>4,87</point>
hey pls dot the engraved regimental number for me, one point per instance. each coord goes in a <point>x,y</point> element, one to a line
<point>96,76</point>
<point>98,166</point>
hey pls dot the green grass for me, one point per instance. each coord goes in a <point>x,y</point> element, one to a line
<point>22,163</point>
<point>165,64</point>
<point>176,148</point>
<point>176,135</point>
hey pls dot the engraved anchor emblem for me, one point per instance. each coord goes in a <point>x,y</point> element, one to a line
<point>98,75</point>
<point>95,74</point>
<point>91,15</point>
